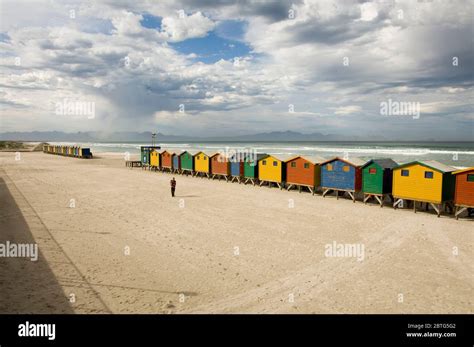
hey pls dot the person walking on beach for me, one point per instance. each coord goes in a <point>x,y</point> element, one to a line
<point>173,186</point>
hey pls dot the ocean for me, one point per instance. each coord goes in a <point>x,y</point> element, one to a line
<point>457,154</point>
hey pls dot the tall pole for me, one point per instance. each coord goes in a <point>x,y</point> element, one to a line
<point>153,136</point>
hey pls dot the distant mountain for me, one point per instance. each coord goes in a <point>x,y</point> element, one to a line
<point>279,136</point>
<point>94,136</point>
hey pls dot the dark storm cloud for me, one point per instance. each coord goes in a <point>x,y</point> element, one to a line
<point>273,10</point>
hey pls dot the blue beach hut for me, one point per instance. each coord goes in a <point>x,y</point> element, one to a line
<point>341,175</point>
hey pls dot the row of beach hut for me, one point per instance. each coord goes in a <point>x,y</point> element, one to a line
<point>69,151</point>
<point>419,182</point>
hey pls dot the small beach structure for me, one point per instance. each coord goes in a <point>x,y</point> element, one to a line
<point>186,162</point>
<point>342,175</point>
<point>202,166</point>
<point>154,159</point>
<point>68,151</point>
<point>464,191</point>
<point>220,166</point>
<point>251,168</point>
<point>166,161</point>
<point>176,163</point>
<point>271,170</point>
<point>377,177</point>
<point>145,154</point>
<point>303,172</point>
<point>237,166</point>
<point>428,182</point>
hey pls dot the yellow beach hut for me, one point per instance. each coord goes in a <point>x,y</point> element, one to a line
<point>427,182</point>
<point>271,170</point>
<point>154,160</point>
<point>202,166</point>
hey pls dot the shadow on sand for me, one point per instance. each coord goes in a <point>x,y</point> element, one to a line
<point>25,286</point>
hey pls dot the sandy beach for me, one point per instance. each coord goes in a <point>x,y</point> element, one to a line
<point>111,239</point>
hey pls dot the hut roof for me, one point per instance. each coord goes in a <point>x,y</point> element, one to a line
<point>266,155</point>
<point>353,161</point>
<point>433,164</point>
<point>218,153</point>
<point>244,156</point>
<point>463,170</point>
<point>384,163</point>
<point>259,156</point>
<point>192,153</point>
<point>285,157</point>
<point>315,159</point>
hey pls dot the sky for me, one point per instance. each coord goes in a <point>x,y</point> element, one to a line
<point>219,67</point>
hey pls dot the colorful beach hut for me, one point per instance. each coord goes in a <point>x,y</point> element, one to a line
<point>377,179</point>
<point>166,161</point>
<point>220,166</point>
<point>427,182</point>
<point>202,166</point>
<point>342,175</point>
<point>85,153</point>
<point>271,170</point>
<point>303,172</point>
<point>154,159</point>
<point>251,167</point>
<point>237,166</point>
<point>176,163</point>
<point>186,162</point>
<point>464,191</point>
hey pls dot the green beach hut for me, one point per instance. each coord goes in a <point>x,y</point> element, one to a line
<point>251,167</point>
<point>377,179</point>
<point>187,162</point>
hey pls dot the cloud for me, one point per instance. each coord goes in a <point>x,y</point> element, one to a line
<point>346,110</point>
<point>181,26</point>
<point>138,80</point>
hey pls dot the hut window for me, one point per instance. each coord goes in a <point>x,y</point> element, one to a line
<point>345,168</point>
<point>215,158</point>
<point>470,177</point>
<point>293,164</point>
<point>275,163</point>
<point>372,171</point>
<point>306,165</point>
<point>197,157</point>
<point>405,173</point>
<point>428,174</point>
<point>329,167</point>
<point>264,162</point>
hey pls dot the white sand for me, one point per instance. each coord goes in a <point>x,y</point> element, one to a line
<point>191,250</point>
